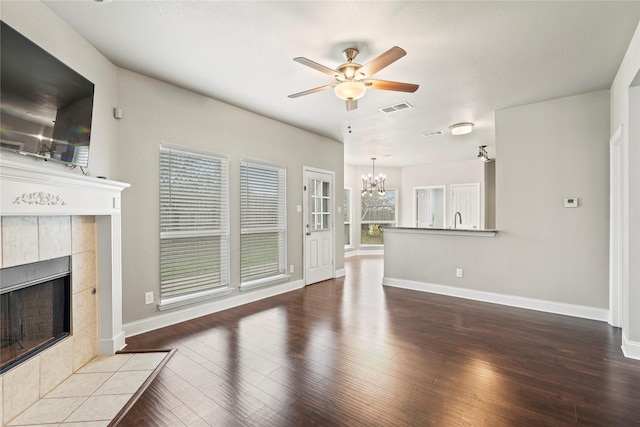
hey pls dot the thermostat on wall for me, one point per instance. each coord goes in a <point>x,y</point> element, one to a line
<point>571,202</point>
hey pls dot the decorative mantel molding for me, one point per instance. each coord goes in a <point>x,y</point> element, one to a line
<point>28,190</point>
<point>39,198</point>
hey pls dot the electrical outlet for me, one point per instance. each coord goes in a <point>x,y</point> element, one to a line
<point>291,268</point>
<point>458,272</point>
<point>148,298</point>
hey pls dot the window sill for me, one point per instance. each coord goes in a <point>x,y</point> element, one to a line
<point>258,283</point>
<point>179,301</point>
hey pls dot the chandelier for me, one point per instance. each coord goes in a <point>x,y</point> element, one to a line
<point>372,182</point>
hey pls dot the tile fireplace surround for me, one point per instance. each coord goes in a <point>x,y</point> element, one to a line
<point>48,213</point>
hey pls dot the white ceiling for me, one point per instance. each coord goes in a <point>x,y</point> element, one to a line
<point>469,58</point>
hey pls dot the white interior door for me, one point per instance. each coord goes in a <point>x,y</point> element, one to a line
<point>465,199</point>
<point>424,208</point>
<point>318,195</point>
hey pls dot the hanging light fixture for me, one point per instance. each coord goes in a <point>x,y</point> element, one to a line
<point>482,153</point>
<point>372,182</point>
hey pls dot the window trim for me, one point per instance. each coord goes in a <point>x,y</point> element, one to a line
<point>350,245</point>
<point>170,302</point>
<point>393,222</point>
<point>281,277</point>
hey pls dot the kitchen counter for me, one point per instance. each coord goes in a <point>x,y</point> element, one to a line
<point>443,231</point>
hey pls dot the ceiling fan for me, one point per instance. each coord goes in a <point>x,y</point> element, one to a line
<point>353,79</point>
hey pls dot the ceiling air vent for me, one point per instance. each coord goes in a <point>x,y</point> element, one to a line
<point>433,133</point>
<point>395,107</point>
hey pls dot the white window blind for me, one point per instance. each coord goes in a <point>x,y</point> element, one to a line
<point>263,224</point>
<point>194,226</point>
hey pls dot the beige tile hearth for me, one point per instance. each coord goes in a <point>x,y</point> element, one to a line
<point>94,395</point>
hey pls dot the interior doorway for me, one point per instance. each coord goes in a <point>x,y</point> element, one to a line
<point>430,206</point>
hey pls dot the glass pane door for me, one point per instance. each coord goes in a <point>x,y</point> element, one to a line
<point>319,205</point>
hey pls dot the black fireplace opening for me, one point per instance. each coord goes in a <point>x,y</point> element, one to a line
<point>35,309</point>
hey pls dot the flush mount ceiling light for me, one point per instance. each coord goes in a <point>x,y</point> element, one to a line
<point>461,128</point>
<point>482,153</point>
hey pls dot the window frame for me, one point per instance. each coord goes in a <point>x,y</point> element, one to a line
<point>280,276</point>
<point>392,222</point>
<point>212,227</point>
<point>348,214</point>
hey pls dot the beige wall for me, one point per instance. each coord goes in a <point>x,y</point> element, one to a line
<point>551,252</point>
<point>543,251</point>
<point>156,112</point>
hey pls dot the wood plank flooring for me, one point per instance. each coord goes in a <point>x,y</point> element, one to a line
<point>350,352</point>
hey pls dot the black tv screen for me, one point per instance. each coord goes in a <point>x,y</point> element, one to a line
<point>46,106</point>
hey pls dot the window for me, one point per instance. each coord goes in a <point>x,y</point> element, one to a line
<point>378,211</point>
<point>347,217</point>
<point>320,204</point>
<point>263,224</point>
<point>194,227</point>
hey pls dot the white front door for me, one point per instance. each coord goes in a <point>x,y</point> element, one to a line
<point>318,201</point>
<point>465,201</point>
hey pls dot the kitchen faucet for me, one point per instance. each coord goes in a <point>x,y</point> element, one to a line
<point>455,217</point>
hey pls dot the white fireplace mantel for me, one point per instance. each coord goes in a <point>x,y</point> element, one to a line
<point>28,189</point>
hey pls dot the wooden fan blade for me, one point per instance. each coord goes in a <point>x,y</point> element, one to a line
<point>316,66</point>
<point>310,91</point>
<point>382,60</point>
<point>352,104</point>
<point>395,86</point>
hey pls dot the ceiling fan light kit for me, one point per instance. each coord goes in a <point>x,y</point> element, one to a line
<point>350,90</point>
<point>461,128</point>
<point>352,79</point>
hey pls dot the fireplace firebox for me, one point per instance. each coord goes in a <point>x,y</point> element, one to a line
<point>35,309</point>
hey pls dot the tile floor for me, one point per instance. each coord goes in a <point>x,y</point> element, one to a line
<point>94,395</point>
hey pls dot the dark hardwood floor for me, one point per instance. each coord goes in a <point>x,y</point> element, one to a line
<point>351,352</point>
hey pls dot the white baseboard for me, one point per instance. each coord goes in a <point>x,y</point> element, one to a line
<point>630,349</point>
<point>348,254</point>
<point>341,272</point>
<point>509,300</point>
<point>364,252</point>
<point>168,318</point>
<point>109,346</point>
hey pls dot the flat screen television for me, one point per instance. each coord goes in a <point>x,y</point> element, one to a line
<point>46,106</point>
